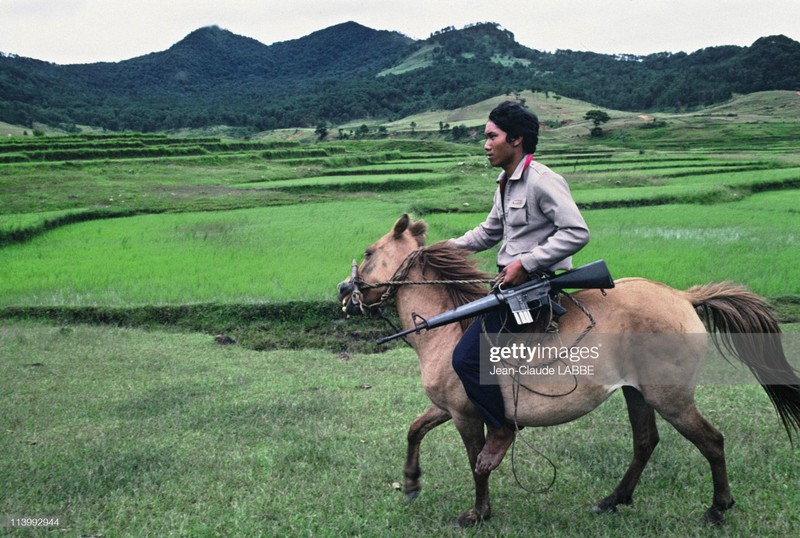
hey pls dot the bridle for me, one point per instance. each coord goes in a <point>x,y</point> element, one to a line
<point>398,279</point>
<point>392,285</point>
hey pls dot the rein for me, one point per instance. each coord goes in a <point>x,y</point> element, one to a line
<point>398,279</point>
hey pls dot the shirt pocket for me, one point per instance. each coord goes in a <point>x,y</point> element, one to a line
<point>518,212</point>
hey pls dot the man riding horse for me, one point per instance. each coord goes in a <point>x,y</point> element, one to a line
<point>539,227</point>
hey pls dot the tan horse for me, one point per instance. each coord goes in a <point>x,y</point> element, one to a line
<point>635,306</point>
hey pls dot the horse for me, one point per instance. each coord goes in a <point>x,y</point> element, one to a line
<point>737,319</point>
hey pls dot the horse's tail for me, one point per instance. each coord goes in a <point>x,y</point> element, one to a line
<point>743,325</point>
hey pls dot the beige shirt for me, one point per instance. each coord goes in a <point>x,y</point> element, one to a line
<point>539,222</point>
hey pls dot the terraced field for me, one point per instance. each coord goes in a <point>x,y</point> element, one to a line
<point>131,221</point>
<point>123,256</point>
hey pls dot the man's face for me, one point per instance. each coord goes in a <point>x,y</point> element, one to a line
<point>499,150</point>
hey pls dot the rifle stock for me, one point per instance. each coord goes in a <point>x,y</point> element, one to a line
<point>594,275</point>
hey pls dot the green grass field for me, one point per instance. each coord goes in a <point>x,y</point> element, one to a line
<point>290,253</point>
<point>122,256</point>
<point>123,432</point>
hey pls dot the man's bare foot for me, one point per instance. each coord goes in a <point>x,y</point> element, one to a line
<point>498,440</point>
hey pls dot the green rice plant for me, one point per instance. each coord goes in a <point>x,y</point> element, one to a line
<point>143,186</point>
<point>19,157</point>
<point>272,254</point>
<point>685,188</point>
<point>685,245</point>
<point>300,252</point>
<point>113,153</point>
<point>672,168</point>
<point>17,228</point>
<point>358,182</point>
<point>19,221</point>
<point>754,242</point>
<point>219,183</point>
<point>405,167</point>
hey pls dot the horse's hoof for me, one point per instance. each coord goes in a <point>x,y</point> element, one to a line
<point>412,495</point>
<point>470,518</point>
<point>609,505</point>
<point>713,516</point>
<point>602,508</point>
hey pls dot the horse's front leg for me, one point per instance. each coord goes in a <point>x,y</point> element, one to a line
<point>472,433</point>
<point>427,421</point>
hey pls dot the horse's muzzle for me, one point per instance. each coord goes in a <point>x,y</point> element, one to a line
<point>349,293</point>
<point>346,289</point>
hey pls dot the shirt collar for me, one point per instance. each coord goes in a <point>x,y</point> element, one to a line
<point>523,164</point>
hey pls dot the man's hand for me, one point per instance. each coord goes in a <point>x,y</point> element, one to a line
<point>514,274</point>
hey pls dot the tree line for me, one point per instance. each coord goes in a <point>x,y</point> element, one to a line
<point>209,85</point>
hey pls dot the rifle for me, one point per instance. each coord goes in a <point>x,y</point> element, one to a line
<point>532,294</point>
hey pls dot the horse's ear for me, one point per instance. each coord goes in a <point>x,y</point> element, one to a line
<point>400,226</point>
<point>418,230</point>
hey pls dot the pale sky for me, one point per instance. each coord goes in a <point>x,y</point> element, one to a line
<point>85,31</point>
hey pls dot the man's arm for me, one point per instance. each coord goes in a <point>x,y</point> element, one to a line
<point>556,203</point>
<point>484,236</point>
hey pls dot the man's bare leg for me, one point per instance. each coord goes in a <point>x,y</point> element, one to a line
<point>498,440</point>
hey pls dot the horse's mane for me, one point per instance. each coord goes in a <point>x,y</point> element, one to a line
<point>452,263</point>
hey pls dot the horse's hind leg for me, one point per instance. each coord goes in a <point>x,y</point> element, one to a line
<point>427,421</point>
<point>692,425</point>
<point>645,439</point>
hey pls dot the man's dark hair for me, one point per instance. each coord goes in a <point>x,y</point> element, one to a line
<point>517,121</point>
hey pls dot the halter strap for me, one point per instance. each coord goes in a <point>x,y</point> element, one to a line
<point>399,278</point>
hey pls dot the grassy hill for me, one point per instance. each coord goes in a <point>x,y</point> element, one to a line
<point>768,106</point>
<point>7,130</point>
<point>763,117</point>
<point>563,122</point>
<point>553,110</point>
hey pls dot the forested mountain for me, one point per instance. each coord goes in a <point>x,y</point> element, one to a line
<point>349,71</point>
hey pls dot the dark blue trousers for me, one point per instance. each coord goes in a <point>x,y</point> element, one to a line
<point>488,399</point>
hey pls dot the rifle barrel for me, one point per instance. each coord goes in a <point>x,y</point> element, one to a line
<point>398,335</point>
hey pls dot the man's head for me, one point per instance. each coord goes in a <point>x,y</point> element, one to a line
<point>517,122</point>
